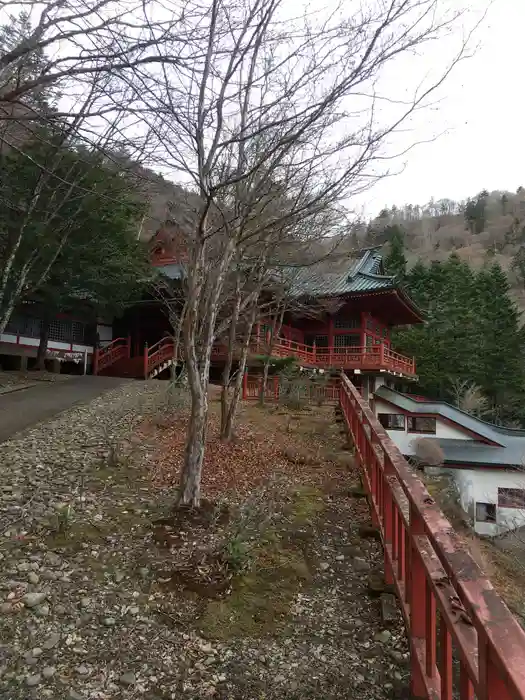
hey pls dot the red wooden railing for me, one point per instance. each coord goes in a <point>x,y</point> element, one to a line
<point>310,392</point>
<point>108,355</point>
<point>371,357</point>
<point>438,584</point>
<point>157,354</point>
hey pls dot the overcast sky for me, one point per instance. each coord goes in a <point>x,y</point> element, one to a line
<point>482,111</point>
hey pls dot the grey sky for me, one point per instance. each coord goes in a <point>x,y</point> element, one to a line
<point>481,109</point>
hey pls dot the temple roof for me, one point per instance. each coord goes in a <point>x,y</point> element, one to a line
<point>336,277</point>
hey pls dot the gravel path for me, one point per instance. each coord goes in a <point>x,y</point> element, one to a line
<point>88,613</point>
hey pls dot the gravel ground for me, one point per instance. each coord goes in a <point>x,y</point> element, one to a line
<point>86,612</point>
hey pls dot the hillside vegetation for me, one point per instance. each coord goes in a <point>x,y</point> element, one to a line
<point>487,228</point>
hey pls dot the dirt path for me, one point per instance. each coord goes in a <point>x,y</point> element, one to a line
<point>24,408</point>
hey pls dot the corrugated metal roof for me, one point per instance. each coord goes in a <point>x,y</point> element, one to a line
<point>509,450</point>
<point>173,271</point>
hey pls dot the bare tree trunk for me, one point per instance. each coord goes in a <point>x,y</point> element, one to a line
<point>228,424</point>
<point>190,478</point>
<point>42,347</point>
<point>276,329</point>
<point>227,371</point>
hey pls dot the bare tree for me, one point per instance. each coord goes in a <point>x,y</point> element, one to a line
<point>259,97</point>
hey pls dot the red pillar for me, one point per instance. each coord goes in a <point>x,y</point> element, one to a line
<point>145,360</point>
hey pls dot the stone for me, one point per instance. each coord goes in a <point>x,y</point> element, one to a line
<point>360,564</point>
<point>48,671</point>
<point>33,680</point>
<point>36,652</point>
<point>324,566</point>
<point>51,641</point>
<point>119,576</point>
<point>42,610</point>
<point>73,695</point>
<point>109,621</point>
<point>85,602</point>
<point>280,679</point>
<point>82,670</point>
<point>24,566</point>
<point>340,557</point>
<point>134,611</point>
<point>127,678</point>
<point>388,607</point>
<point>396,656</point>
<point>33,578</point>
<point>6,608</point>
<point>31,600</point>
<point>383,636</point>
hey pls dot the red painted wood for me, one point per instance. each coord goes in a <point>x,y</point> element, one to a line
<point>435,575</point>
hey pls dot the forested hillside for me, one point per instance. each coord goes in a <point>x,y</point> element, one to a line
<point>489,227</point>
<point>470,350</point>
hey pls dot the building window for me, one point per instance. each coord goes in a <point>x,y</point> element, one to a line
<point>321,341</point>
<point>511,498</point>
<point>392,421</point>
<point>485,512</point>
<point>347,322</point>
<point>369,340</point>
<point>344,340</point>
<point>385,332</point>
<point>422,424</point>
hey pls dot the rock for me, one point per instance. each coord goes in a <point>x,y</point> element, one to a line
<point>33,578</point>
<point>48,575</point>
<point>82,670</point>
<point>370,531</point>
<point>383,636</point>
<point>324,566</point>
<point>360,564</point>
<point>119,576</point>
<point>109,621</point>
<point>85,602</point>
<point>127,678</point>
<point>73,695</point>
<point>31,600</point>
<point>6,608</point>
<point>51,641</point>
<point>388,607</point>
<point>24,566</point>
<point>42,610</point>
<point>280,679</point>
<point>134,611</point>
<point>340,557</point>
<point>396,656</point>
<point>36,652</point>
<point>144,572</point>
<point>33,680</point>
<point>48,671</point>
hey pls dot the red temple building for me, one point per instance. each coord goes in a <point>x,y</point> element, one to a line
<point>341,318</point>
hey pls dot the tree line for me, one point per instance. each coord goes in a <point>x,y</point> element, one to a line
<point>471,337</point>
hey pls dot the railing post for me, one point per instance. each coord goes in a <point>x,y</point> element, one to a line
<point>95,361</point>
<point>245,386</point>
<point>145,361</point>
<point>314,352</point>
<point>381,354</point>
<point>417,601</point>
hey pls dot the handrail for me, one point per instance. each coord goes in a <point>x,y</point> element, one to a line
<point>157,353</point>
<point>111,353</point>
<point>376,357</point>
<point>434,573</point>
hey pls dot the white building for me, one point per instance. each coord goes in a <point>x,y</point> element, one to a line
<point>486,461</point>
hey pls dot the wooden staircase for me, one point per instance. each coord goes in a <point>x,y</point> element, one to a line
<point>115,359</point>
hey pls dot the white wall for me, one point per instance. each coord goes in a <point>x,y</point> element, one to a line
<point>481,486</point>
<point>405,440</point>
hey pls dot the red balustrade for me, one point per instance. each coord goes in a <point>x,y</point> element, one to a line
<point>113,352</point>
<point>157,354</point>
<point>369,357</point>
<point>310,391</point>
<point>455,620</point>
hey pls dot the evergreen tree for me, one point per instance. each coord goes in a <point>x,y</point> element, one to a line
<point>395,262</point>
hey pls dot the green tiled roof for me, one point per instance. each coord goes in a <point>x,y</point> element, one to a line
<point>356,276</point>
